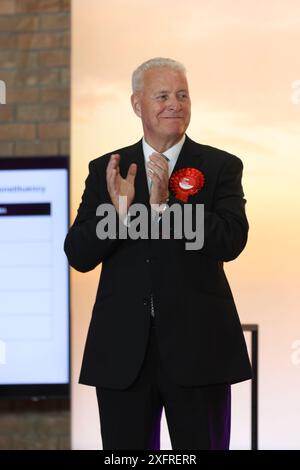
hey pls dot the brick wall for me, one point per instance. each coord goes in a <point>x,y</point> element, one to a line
<point>34,64</point>
<point>35,425</point>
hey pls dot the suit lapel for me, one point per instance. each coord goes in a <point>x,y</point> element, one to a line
<point>190,156</point>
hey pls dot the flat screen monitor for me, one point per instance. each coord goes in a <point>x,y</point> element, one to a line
<point>34,277</point>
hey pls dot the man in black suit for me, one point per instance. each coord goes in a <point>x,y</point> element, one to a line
<point>164,330</point>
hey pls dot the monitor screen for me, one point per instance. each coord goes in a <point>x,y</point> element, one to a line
<point>34,277</point>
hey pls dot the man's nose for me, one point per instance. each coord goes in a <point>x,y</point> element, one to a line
<point>174,104</point>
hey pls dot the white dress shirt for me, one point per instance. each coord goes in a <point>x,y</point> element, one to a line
<point>172,153</point>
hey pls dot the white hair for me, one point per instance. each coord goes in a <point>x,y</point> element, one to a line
<point>155,63</point>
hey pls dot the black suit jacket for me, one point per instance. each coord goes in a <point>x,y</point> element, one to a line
<point>199,333</point>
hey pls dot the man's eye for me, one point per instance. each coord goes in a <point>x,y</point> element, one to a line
<point>182,96</point>
<point>162,97</point>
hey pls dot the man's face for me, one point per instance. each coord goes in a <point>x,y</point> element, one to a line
<point>164,105</point>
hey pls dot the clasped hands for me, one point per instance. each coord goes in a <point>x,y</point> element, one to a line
<point>158,171</point>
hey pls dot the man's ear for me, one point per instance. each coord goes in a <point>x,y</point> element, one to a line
<point>135,102</point>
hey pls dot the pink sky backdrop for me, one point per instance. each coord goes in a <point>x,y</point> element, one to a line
<point>242,58</point>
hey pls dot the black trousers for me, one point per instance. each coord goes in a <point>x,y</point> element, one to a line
<point>198,418</point>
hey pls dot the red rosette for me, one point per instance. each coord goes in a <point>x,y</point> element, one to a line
<point>186,182</point>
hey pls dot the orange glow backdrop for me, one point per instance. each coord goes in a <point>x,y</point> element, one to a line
<point>242,59</point>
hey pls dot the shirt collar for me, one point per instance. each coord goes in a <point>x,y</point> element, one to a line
<point>172,153</point>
